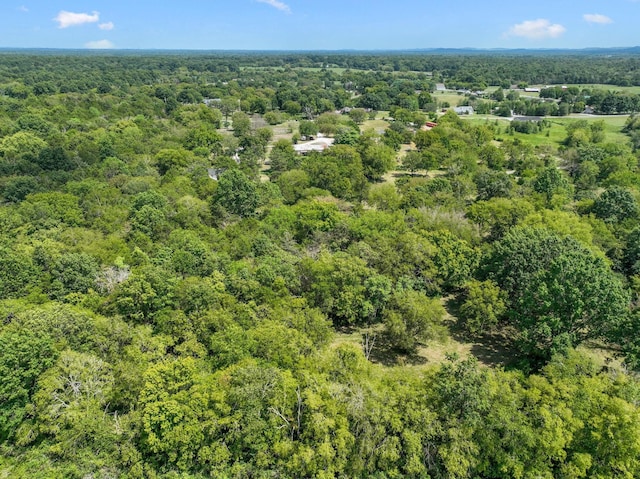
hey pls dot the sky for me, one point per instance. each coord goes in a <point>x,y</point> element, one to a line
<point>317,25</point>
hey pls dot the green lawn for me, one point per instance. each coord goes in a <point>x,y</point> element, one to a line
<point>338,70</point>
<point>613,126</point>
<point>597,86</point>
<point>374,124</point>
<point>627,89</point>
<point>558,132</point>
<point>284,131</point>
<point>453,98</point>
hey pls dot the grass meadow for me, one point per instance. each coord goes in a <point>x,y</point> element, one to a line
<point>556,134</point>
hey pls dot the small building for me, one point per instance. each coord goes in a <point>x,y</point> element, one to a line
<point>588,111</point>
<point>463,110</point>
<point>441,87</point>
<point>431,124</point>
<point>532,90</point>
<point>319,144</point>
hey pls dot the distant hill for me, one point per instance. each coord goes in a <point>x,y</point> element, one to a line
<point>602,52</point>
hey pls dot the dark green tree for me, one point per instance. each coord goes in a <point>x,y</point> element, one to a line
<point>550,182</point>
<point>241,124</point>
<point>282,158</point>
<point>560,293</point>
<point>616,204</point>
<point>24,356</point>
<point>411,318</point>
<point>308,128</point>
<point>74,273</point>
<point>236,193</point>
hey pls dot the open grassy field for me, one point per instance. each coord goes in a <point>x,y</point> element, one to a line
<point>558,132</point>
<point>338,70</point>
<point>453,98</point>
<point>377,124</point>
<point>600,86</point>
<point>284,131</point>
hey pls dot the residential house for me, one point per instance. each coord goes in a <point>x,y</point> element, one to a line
<point>319,144</point>
<point>463,110</point>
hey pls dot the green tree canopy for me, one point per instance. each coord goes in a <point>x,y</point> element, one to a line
<point>236,193</point>
<point>560,293</point>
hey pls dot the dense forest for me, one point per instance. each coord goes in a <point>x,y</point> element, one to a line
<point>183,294</point>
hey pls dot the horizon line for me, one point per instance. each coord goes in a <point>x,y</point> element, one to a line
<point>356,50</point>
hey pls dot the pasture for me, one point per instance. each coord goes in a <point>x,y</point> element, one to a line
<point>557,132</point>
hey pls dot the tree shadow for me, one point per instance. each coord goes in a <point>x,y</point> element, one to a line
<point>496,348</point>
<point>493,348</point>
<point>408,174</point>
<point>385,353</point>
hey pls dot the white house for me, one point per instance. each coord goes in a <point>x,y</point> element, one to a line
<point>463,110</point>
<point>319,144</point>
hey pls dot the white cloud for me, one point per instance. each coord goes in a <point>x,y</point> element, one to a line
<point>23,8</point>
<point>69,19</point>
<point>536,29</point>
<point>100,45</point>
<point>106,26</point>
<point>277,4</point>
<point>596,18</point>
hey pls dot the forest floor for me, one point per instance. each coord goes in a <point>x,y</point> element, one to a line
<point>492,349</point>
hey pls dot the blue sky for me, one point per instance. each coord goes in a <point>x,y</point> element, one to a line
<point>318,25</point>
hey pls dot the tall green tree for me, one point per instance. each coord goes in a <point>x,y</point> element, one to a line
<point>412,318</point>
<point>236,193</point>
<point>282,158</point>
<point>24,356</point>
<point>560,293</point>
<point>615,205</point>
